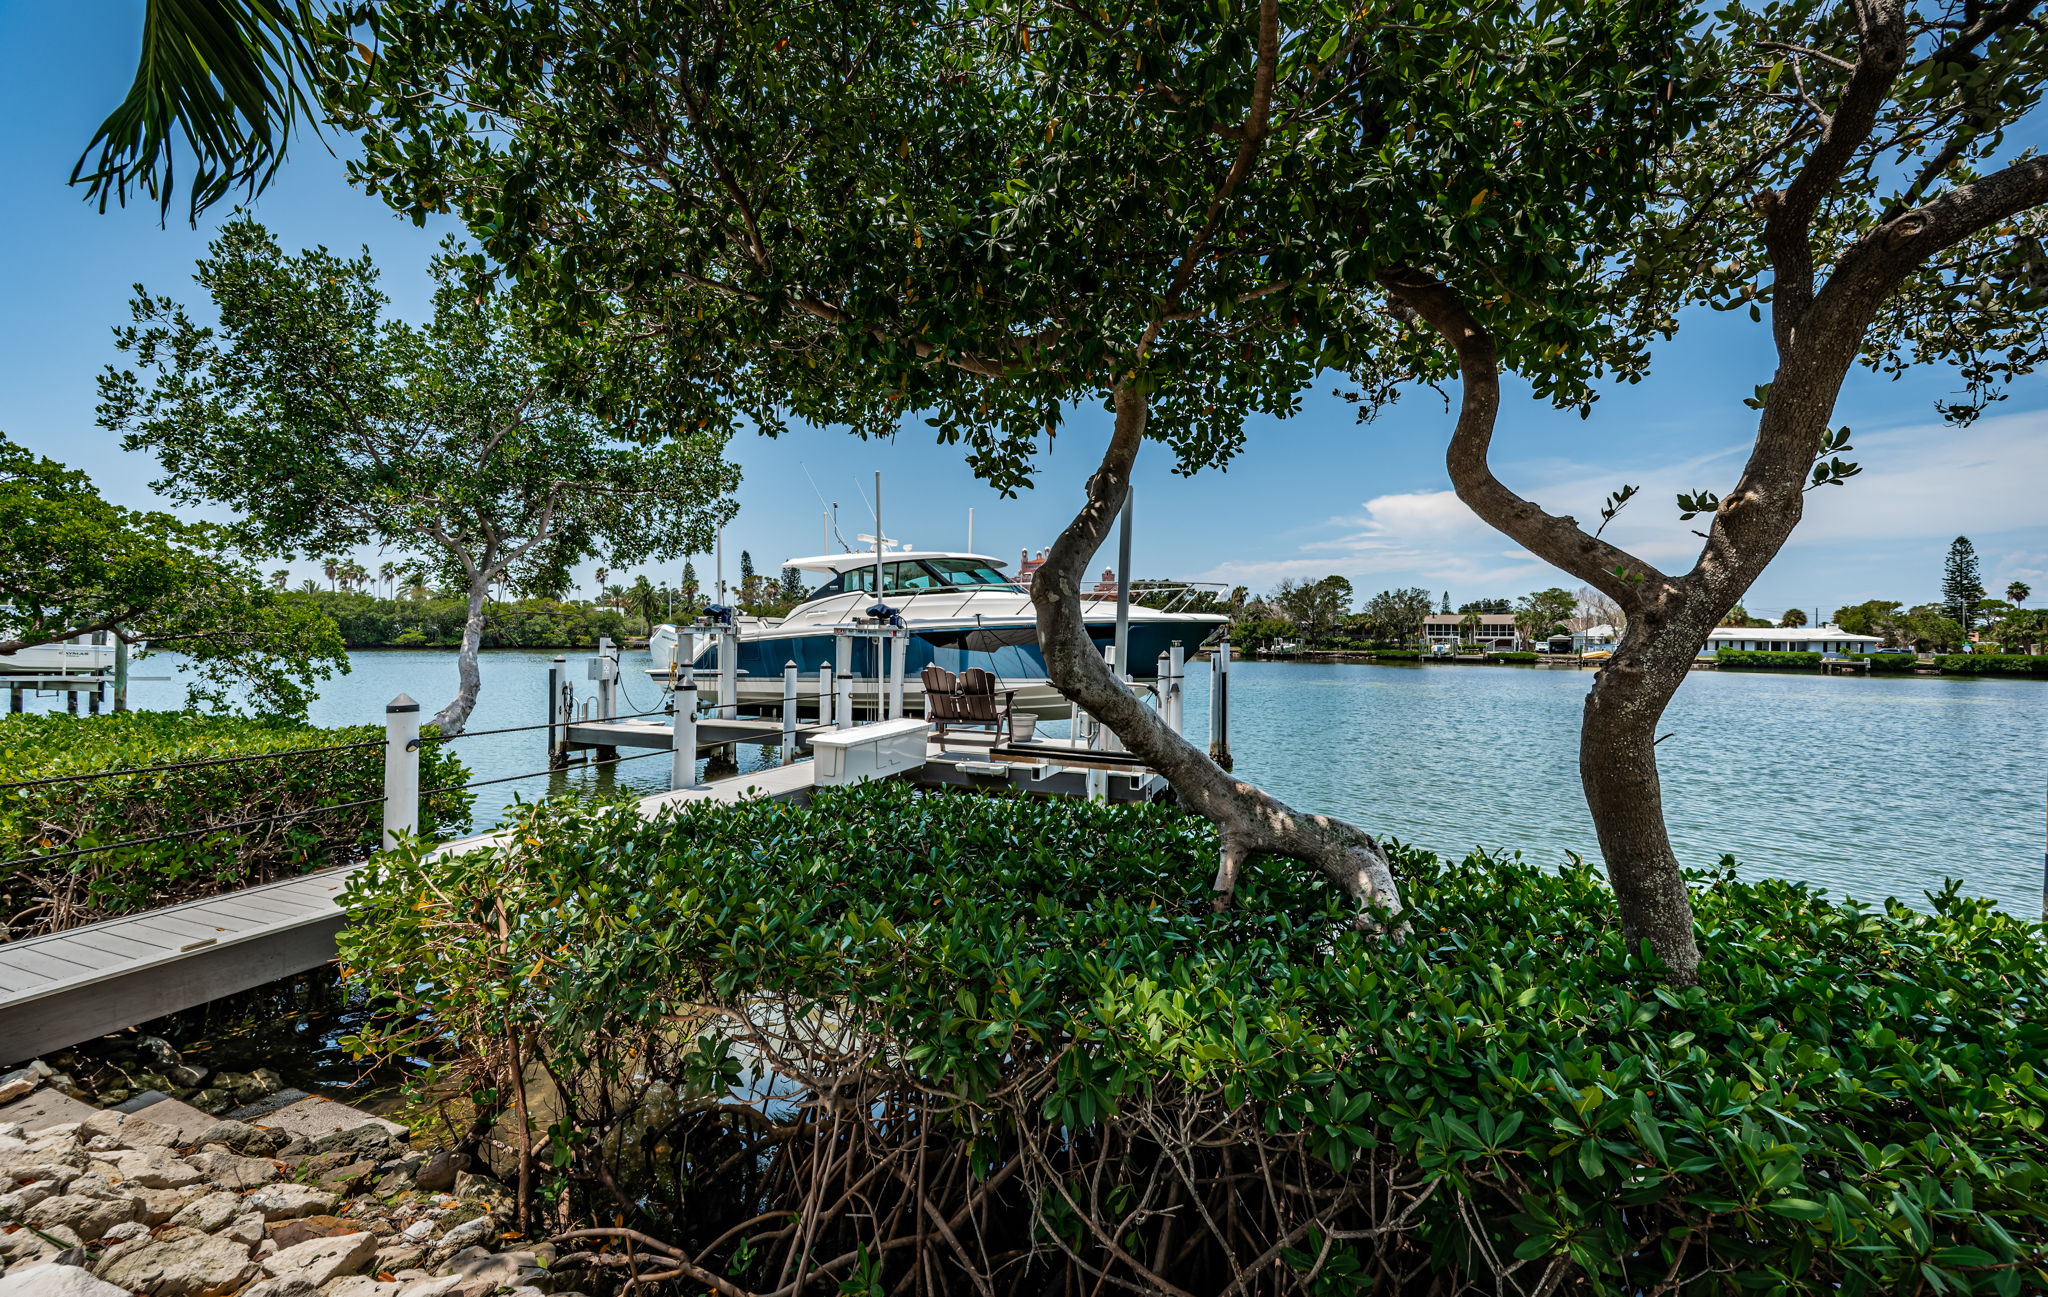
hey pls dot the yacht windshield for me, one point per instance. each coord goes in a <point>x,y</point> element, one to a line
<point>965,571</point>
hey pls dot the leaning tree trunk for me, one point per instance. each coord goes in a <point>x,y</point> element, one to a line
<point>455,715</point>
<point>1247,818</point>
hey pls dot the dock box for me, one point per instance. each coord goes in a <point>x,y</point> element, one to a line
<point>852,756</point>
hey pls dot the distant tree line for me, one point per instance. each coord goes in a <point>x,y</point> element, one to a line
<point>1320,615</point>
<point>1964,615</point>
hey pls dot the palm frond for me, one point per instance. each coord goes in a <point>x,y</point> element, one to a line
<point>230,77</point>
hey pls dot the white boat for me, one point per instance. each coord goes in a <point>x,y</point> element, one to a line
<point>961,611</point>
<point>81,655</point>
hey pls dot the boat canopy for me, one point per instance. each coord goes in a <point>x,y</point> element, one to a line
<point>866,558</point>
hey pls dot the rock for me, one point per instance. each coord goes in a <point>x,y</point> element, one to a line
<point>189,1265</point>
<point>362,1285</point>
<point>268,1079</point>
<point>397,1256</point>
<point>372,1139</point>
<point>88,1217</point>
<point>438,1173</point>
<point>64,1084</point>
<point>14,1205</point>
<point>57,1281</point>
<point>17,1083</point>
<point>133,1229</point>
<point>109,1098</point>
<point>159,1205</point>
<point>186,1075</point>
<point>419,1231</point>
<point>322,1259</point>
<point>246,1228</point>
<point>344,1179</point>
<point>475,1184</point>
<point>211,1214</point>
<point>54,1161</point>
<point>287,1201</point>
<point>232,1171</point>
<point>215,1101</point>
<point>291,1285</point>
<point>392,1182</point>
<point>240,1136</point>
<point>291,1233</point>
<point>155,1168</point>
<point>483,1273</point>
<point>482,1229</point>
<point>157,1050</point>
<point>128,1130</point>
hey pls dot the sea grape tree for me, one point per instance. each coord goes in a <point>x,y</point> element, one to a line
<point>1863,189</point>
<point>990,213</point>
<point>326,425</point>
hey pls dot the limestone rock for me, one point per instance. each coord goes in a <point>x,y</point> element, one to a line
<point>323,1259</point>
<point>211,1214</point>
<point>128,1130</point>
<point>159,1205</point>
<point>362,1285</point>
<point>291,1233</point>
<point>157,1050</point>
<point>437,1173</point>
<point>470,1232</point>
<point>241,1137</point>
<point>233,1171</point>
<point>246,1228</point>
<point>189,1265</point>
<point>57,1281</point>
<point>89,1217</point>
<point>398,1256</point>
<point>291,1285</point>
<point>17,1083</point>
<point>286,1201</point>
<point>13,1206</point>
<point>152,1168</point>
<point>128,1231</point>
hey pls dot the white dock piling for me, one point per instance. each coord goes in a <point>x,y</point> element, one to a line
<point>1176,693</point>
<point>788,712</point>
<point>842,678</point>
<point>825,695</point>
<point>899,658</point>
<point>1219,704</point>
<point>729,671</point>
<point>401,769</point>
<point>683,762</point>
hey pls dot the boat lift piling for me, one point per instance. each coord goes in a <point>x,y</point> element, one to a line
<point>789,675</point>
<point>683,763</point>
<point>1219,704</point>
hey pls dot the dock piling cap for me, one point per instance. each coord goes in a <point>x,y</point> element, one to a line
<point>402,703</point>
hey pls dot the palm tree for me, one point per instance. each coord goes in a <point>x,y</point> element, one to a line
<point>278,579</point>
<point>229,77</point>
<point>310,586</point>
<point>329,567</point>
<point>2017,592</point>
<point>385,571</point>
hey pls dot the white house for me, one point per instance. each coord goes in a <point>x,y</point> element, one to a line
<point>1790,639</point>
<point>1495,630</point>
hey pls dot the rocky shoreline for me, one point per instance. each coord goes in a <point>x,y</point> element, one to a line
<point>308,1199</point>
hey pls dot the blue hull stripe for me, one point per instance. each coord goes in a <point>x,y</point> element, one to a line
<point>1010,652</point>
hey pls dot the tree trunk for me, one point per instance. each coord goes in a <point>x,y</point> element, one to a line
<point>455,715</point>
<point>1247,818</point>
<point>1618,773</point>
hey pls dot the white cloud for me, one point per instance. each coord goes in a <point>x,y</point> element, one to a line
<point>1920,482</point>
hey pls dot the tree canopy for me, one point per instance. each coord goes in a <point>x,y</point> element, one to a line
<point>72,563</point>
<point>328,425</point>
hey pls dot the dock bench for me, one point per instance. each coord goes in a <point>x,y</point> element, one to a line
<point>863,752</point>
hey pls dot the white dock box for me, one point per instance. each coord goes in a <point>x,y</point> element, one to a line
<point>852,756</point>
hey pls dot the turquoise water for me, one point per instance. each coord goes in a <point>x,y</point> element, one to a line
<point>1871,786</point>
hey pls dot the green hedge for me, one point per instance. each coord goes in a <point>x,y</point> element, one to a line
<point>1020,1012</point>
<point>54,818</point>
<point>1397,655</point>
<point>1994,664</point>
<point>1753,659</point>
<point>1888,661</point>
<point>370,622</point>
<point>1515,655</point>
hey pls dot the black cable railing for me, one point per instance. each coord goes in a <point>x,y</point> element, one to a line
<point>191,765</point>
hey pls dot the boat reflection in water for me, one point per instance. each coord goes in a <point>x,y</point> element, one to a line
<point>960,611</point>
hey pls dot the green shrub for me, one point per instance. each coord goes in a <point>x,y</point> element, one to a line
<point>1397,654</point>
<point>1755,659</point>
<point>890,1008</point>
<point>1516,655</point>
<point>55,818</point>
<point>1887,661</point>
<point>1994,664</point>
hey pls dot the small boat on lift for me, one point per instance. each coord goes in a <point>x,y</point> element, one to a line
<point>961,610</point>
<point>82,655</point>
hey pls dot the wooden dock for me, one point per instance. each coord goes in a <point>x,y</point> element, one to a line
<point>65,987</point>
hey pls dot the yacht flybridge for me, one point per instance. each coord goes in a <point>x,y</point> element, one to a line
<point>959,609</point>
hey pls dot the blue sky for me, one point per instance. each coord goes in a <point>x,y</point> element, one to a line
<point>1313,495</point>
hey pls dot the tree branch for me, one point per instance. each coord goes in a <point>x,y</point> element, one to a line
<point>1616,573</point>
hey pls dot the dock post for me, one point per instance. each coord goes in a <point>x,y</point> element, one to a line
<point>1106,739</point>
<point>92,700</point>
<point>401,769</point>
<point>899,659</point>
<point>120,673</point>
<point>1176,691</point>
<point>683,761</point>
<point>558,729</point>
<point>842,678</point>
<point>1219,704</point>
<point>71,699</point>
<point>825,695</point>
<point>14,698</point>
<point>788,712</point>
<point>1162,688</point>
<point>729,672</point>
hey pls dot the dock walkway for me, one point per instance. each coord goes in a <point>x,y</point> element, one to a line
<point>64,987</point>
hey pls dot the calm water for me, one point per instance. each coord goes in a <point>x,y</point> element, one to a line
<point>1869,786</point>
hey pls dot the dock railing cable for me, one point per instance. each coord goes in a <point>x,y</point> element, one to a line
<point>190,765</point>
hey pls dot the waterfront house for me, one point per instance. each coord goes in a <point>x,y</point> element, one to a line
<point>1496,630</point>
<point>1790,639</point>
